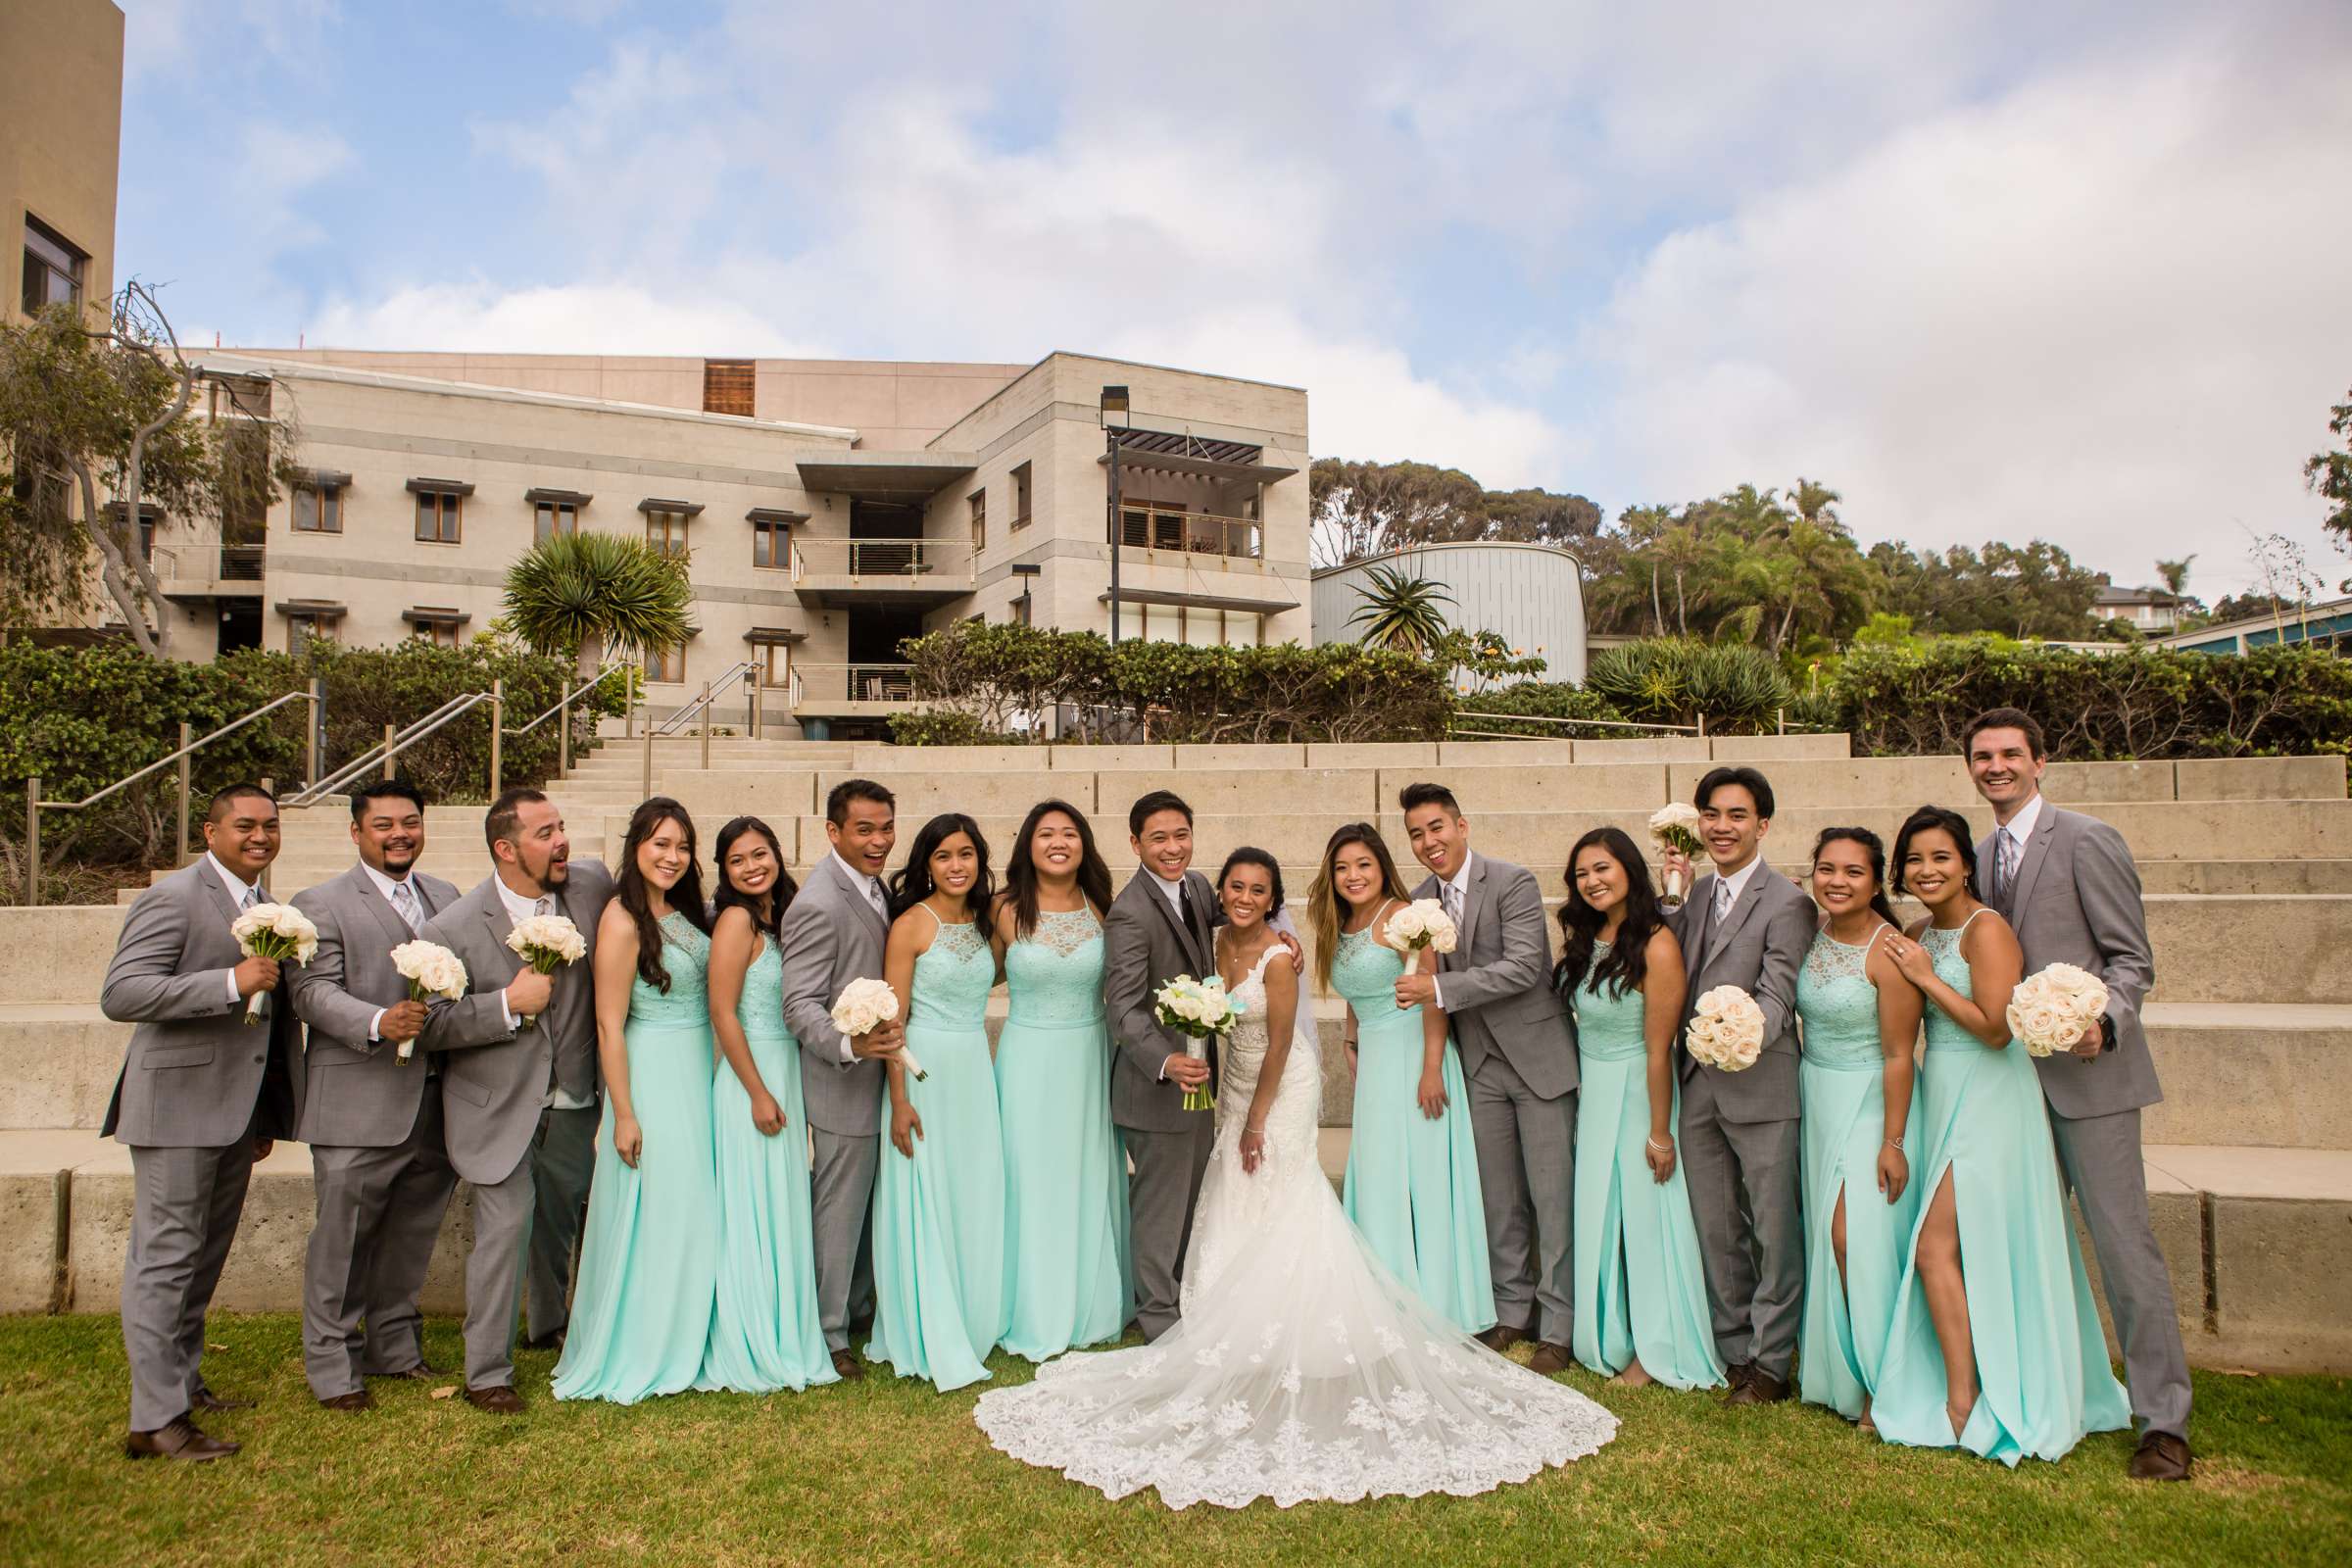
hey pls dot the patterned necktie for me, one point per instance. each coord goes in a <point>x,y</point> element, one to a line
<point>2004,866</point>
<point>252,897</point>
<point>545,906</point>
<point>1723,900</point>
<point>404,903</point>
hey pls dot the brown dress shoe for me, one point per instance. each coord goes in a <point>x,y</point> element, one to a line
<point>207,1400</point>
<point>1502,1337</point>
<point>178,1440</point>
<point>498,1399</point>
<point>845,1363</point>
<point>1736,1374</point>
<point>1759,1387</point>
<point>1548,1358</point>
<point>357,1399</point>
<point>2161,1457</point>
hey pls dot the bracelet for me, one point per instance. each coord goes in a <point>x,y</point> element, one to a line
<point>1660,1149</point>
<point>1895,1144</point>
<point>1249,1131</point>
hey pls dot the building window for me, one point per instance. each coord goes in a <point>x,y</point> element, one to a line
<point>318,509</point>
<point>54,267</point>
<point>301,629</point>
<point>1020,611</point>
<point>665,664</point>
<point>1021,496</point>
<point>771,544</point>
<point>727,387</point>
<point>552,518</point>
<point>775,664</point>
<point>978,500</point>
<point>441,633</point>
<point>666,532</point>
<point>438,517</point>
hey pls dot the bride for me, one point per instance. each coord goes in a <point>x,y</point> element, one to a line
<point>1301,1368</point>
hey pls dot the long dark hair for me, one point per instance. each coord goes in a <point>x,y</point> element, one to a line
<point>1021,874</point>
<point>911,884</point>
<point>1628,964</point>
<point>1323,914</point>
<point>685,895</point>
<point>1872,846</point>
<point>1953,823</point>
<point>779,896</point>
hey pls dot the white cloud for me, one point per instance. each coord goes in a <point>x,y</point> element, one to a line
<point>571,318</point>
<point>273,165</point>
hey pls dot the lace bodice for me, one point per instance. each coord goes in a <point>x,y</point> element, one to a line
<point>686,954</point>
<point>1055,974</point>
<point>953,978</point>
<point>1608,1027</point>
<point>761,1007</point>
<point>1839,1005</point>
<point>1951,967</point>
<point>1364,972</point>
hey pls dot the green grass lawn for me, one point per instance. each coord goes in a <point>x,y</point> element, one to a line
<point>890,1472</point>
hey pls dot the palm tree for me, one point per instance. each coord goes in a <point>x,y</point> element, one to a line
<point>579,593</point>
<point>2175,575</point>
<point>1400,612</point>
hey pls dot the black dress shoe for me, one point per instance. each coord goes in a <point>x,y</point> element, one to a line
<point>178,1438</point>
<point>2162,1456</point>
<point>845,1364</point>
<point>207,1400</point>
<point>358,1400</point>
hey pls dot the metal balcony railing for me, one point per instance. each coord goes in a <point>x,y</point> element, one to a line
<point>1198,534</point>
<point>851,683</point>
<point>914,560</point>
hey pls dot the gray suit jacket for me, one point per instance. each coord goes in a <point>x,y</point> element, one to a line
<point>832,934</point>
<point>2077,901</point>
<point>1497,979</point>
<point>495,1080</point>
<point>351,1092</point>
<point>1757,948</point>
<point>196,1075</point>
<point>1143,946</point>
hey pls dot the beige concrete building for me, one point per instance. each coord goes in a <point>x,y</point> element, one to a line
<point>828,508</point>
<point>61,137</point>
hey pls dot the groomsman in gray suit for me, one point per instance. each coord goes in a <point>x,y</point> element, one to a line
<point>834,933</point>
<point>518,1074</point>
<point>201,1097</point>
<point>1746,925</point>
<point>1519,1056</point>
<point>2066,883</point>
<point>379,1166</point>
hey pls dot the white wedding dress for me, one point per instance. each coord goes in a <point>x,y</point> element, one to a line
<point>1301,1368</point>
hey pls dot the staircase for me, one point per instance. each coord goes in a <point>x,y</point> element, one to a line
<point>2248,866</point>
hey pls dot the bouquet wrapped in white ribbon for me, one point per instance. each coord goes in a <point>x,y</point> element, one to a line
<point>1200,1011</point>
<point>866,1006</point>
<point>2055,1007</point>
<point>277,931</point>
<point>547,943</point>
<point>1727,1029</point>
<point>1675,826</point>
<point>1423,924</point>
<point>431,970</point>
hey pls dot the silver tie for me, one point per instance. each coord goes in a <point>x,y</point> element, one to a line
<point>404,903</point>
<point>545,906</point>
<point>253,896</point>
<point>1723,900</point>
<point>2005,858</point>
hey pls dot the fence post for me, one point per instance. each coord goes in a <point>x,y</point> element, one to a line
<point>317,730</point>
<point>32,841</point>
<point>1782,715</point>
<point>629,705</point>
<point>564,737</point>
<point>649,756</point>
<point>498,732</point>
<point>389,732</point>
<point>185,763</point>
<point>750,721</point>
<point>1702,727</point>
<point>706,726</point>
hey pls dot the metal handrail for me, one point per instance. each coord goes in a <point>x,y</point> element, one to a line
<point>678,720</point>
<point>563,731</point>
<point>1698,729</point>
<point>34,805</point>
<point>382,753</point>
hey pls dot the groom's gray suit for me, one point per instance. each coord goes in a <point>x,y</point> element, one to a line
<point>379,1166</point>
<point>2076,900</point>
<point>1742,1156</point>
<point>1146,942</point>
<point>833,934</point>
<point>497,1084</point>
<point>1519,1058</point>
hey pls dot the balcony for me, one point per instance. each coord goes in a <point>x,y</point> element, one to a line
<point>912,574</point>
<point>1235,540</point>
<point>851,691</point>
<point>196,575</point>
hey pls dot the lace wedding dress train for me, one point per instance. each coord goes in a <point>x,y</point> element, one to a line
<point>1301,1369</point>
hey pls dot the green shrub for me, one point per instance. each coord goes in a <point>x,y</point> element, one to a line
<point>948,726</point>
<point>1670,680</point>
<point>1554,700</point>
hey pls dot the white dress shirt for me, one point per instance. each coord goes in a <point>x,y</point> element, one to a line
<point>870,886</point>
<point>520,910</point>
<point>1454,892</point>
<point>239,889</point>
<point>2020,827</point>
<point>384,885</point>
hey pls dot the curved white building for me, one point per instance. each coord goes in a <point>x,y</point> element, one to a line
<point>1532,595</point>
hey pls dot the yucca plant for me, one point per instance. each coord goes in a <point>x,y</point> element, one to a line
<point>1737,686</point>
<point>1647,681</point>
<point>578,594</point>
<point>1400,612</point>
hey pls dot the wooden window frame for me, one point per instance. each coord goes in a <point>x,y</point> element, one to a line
<point>1024,494</point>
<point>327,503</point>
<point>548,519</point>
<point>660,544</point>
<point>978,501</point>
<point>775,538</point>
<point>659,663</point>
<point>446,509</point>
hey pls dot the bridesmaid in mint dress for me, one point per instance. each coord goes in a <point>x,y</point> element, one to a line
<point>1412,1168</point>
<point>648,1257</point>
<point>1065,1180</point>
<point>938,1202</point>
<point>1640,1296</point>
<point>1996,1345</point>
<point>1861,1022</point>
<point>766,1334</point>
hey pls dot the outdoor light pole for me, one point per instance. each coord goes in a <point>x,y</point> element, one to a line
<point>1114,401</point>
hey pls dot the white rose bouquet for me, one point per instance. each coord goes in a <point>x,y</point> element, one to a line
<point>1727,1029</point>
<point>1200,1011</point>
<point>1423,925</point>
<point>547,943</point>
<point>1675,826</point>
<point>2049,1011</point>
<point>277,931</point>
<point>866,1006</point>
<point>431,970</point>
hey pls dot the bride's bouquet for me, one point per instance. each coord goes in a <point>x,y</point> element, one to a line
<point>1727,1030</point>
<point>431,970</point>
<point>277,931</point>
<point>547,943</point>
<point>866,1006</point>
<point>1423,925</point>
<point>1201,1011</point>
<point>1675,826</point>
<point>2052,1009</point>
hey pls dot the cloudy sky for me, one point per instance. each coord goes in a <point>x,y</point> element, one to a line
<point>1992,268</point>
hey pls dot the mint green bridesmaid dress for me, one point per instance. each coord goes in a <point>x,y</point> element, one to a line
<point>939,1216</point>
<point>2042,1374</point>
<point>1067,1245</point>
<point>1641,1287</point>
<point>1412,1181</point>
<point>648,1258</point>
<point>1842,1096</point>
<point>766,1334</point>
